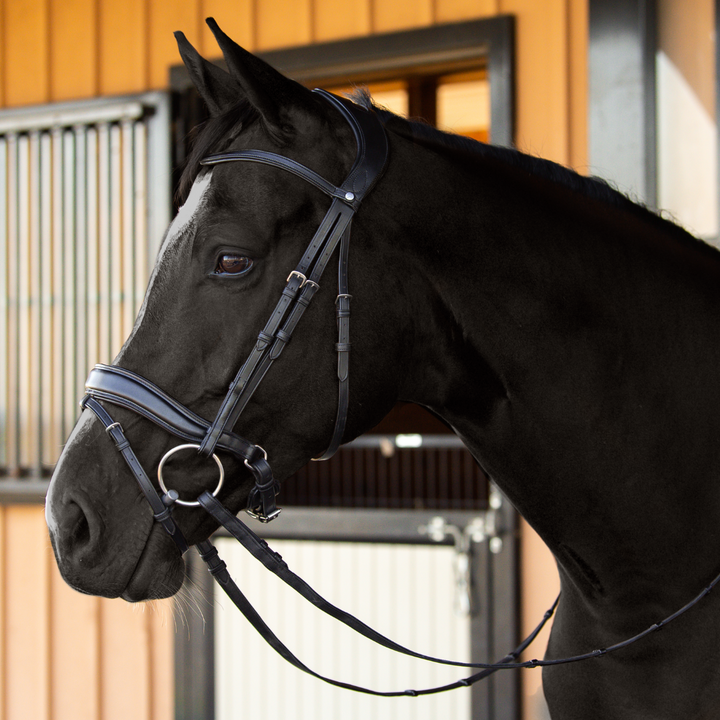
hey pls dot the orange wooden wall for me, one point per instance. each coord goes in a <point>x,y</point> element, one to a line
<point>67,656</point>
<point>65,49</point>
<point>63,655</point>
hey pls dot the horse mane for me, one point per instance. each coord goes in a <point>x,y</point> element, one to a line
<point>466,150</point>
<point>216,133</point>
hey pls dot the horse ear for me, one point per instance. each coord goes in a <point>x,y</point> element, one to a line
<point>216,87</point>
<point>268,91</point>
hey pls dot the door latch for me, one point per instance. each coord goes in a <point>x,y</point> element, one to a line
<point>485,526</point>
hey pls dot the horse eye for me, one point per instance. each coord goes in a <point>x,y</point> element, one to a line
<point>229,264</point>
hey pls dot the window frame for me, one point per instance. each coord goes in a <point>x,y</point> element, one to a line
<point>430,50</point>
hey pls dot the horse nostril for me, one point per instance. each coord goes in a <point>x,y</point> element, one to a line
<point>80,533</point>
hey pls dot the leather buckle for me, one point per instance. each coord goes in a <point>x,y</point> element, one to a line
<point>303,279</point>
<point>260,515</point>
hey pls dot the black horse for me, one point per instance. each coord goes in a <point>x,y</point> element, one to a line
<point>567,335</point>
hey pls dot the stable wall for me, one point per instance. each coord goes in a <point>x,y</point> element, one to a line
<point>64,655</point>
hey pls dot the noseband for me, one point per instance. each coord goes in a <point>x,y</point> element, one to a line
<point>118,386</point>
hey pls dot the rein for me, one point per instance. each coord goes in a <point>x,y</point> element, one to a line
<point>124,388</point>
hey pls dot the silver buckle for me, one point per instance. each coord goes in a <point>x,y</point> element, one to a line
<point>303,279</point>
<point>263,518</point>
<point>257,447</point>
<point>111,426</point>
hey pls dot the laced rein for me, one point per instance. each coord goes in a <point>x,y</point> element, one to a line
<point>126,389</point>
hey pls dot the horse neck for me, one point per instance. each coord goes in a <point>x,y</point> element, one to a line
<point>579,362</point>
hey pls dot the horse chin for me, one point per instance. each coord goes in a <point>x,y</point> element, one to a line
<point>159,573</point>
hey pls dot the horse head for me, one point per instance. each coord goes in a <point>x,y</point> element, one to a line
<point>226,259</point>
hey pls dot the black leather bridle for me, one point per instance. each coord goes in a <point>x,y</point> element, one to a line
<point>124,388</point>
<point>127,389</point>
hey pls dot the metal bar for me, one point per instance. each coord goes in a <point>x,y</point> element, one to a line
<point>34,269</point>
<point>115,240</point>
<point>23,289</point>
<point>50,442</point>
<point>69,413</point>
<point>159,200</point>
<point>68,116</point>
<point>481,629</point>
<point>80,369</point>
<point>73,209</point>
<point>397,441</point>
<point>127,291</point>
<point>358,524</point>
<point>142,242</point>
<point>4,308</point>
<point>104,261</point>
<point>31,490</point>
<point>56,409</point>
<point>93,260</point>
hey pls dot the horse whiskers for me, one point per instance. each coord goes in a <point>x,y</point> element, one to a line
<point>188,600</point>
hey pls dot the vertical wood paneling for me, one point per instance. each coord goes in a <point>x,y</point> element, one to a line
<point>283,22</point>
<point>26,52</point>
<point>123,45</point>
<point>235,17</point>
<point>542,77</point>
<point>389,16</point>
<point>162,633</point>
<point>3,617</point>
<point>75,667</point>
<point>335,20</point>
<point>540,585</point>
<point>125,661</point>
<point>68,656</point>
<point>456,10</point>
<point>73,49</point>
<point>27,609</point>
<point>3,62</point>
<point>164,18</point>
<point>578,69</point>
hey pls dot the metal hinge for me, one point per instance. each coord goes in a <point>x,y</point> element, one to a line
<point>485,526</point>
